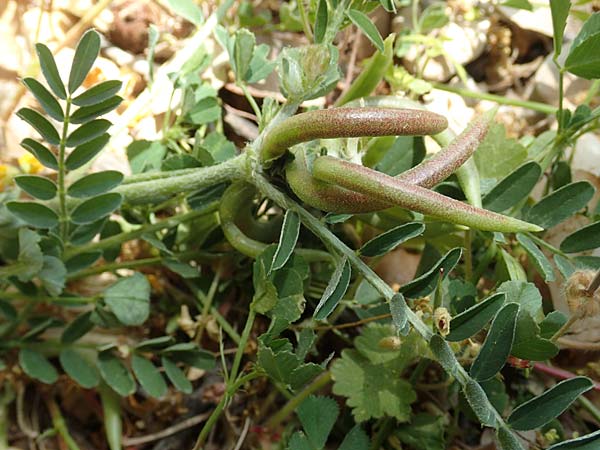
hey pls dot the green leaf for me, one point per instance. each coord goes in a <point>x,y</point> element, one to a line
<point>497,345</point>
<point>45,98</point>
<point>426,283</point>
<point>30,257</point>
<point>519,4</point>
<point>115,374</point>
<point>366,25</point>
<point>188,9</point>
<point>513,188</point>
<point>155,343</point>
<point>129,299</point>
<point>82,261</point>
<point>477,399</point>
<point>540,410</point>
<point>583,59</point>
<point>586,238</point>
<point>79,368</point>
<point>321,21</point>
<point>443,354</point>
<point>425,432</point>
<point>176,376</point>
<point>88,132</point>
<point>243,48</point>
<point>506,154</point>
<point>77,328</point>
<point>525,294</point>
<point>528,344</point>
<point>371,377</point>
<point>37,366</point>
<point>190,354</point>
<point>98,93</point>
<point>356,439</point>
<point>148,376</point>
<point>509,267</point>
<point>335,290</point>
<point>507,439</point>
<point>560,12</point>
<point>564,265</point>
<point>432,17</point>
<point>84,153</point>
<point>38,187</point>
<point>561,204</point>
<point>472,320</point>
<point>34,214</point>
<point>40,124</point>
<point>552,323</point>
<point>277,364</point>
<point>50,71</point>
<point>587,442</point>
<point>536,256</point>
<point>53,275</point>
<point>87,113</point>
<point>95,183</point>
<point>96,207</point>
<point>399,312</point>
<point>317,416</point>
<point>392,238</point>
<point>299,441</point>
<point>287,239</point>
<point>86,53</point>
<point>43,155</point>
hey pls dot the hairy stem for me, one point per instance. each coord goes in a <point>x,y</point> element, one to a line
<point>152,191</point>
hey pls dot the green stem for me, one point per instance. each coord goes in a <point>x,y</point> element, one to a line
<point>237,360</point>
<point>111,406</point>
<point>382,187</point>
<point>345,123</point>
<point>208,302</point>
<point>117,239</point>
<point>304,19</point>
<point>546,245</point>
<point>386,427</point>
<point>6,399</point>
<point>152,191</point>
<point>468,254</point>
<point>574,318</point>
<point>60,426</point>
<point>292,405</point>
<point>252,102</point>
<point>111,267</point>
<point>63,215</point>
<point>534,106</point>
<point>590,407</point>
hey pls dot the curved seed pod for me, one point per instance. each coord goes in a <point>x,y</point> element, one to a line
<point>234,202</point>
<point>332,198</point>
<point>382,187</point>
<point>467,174</point>
<point>348,122</point>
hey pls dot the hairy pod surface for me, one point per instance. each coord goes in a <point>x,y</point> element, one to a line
<point>332,198</point>
<point>388,189</point>
<point>348,122</point>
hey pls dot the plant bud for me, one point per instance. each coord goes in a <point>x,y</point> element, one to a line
<point>580,302</point>
<point>441,318</point>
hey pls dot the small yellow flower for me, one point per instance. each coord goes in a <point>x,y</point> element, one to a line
<point>29,164</point>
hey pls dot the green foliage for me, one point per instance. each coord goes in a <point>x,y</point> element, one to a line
<point>371,377</point>
<point>582,59</point>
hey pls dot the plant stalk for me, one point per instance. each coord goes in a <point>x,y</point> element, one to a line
<point>63,215</point>
<point>534,106</point>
